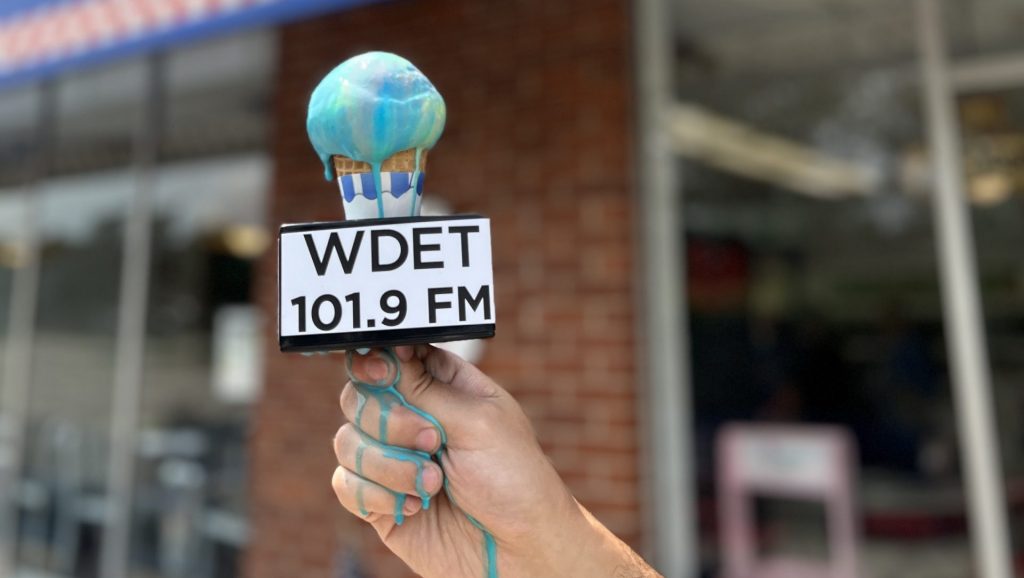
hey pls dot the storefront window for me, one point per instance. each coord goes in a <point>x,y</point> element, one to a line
<point>18,118</point>
<point>66,453</point>
<point>813,281</point>
<point>80,225</point>
<point>992,126</point>
<point>203,365</point>
<point>993,131</point>
<point>17,113</point>
<point>203,360</point>
<point>13,209</point>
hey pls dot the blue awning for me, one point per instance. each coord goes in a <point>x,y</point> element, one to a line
<point>43,38</point>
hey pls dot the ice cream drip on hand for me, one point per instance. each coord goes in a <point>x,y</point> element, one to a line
<point>379,109</point>
<point>369,109</point>
<point>388,397</point>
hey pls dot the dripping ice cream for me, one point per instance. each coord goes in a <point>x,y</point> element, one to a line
<point>372,121</point>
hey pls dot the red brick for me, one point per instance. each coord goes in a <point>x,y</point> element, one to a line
<point>539,138</point>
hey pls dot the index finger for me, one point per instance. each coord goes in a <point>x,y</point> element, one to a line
<point>403,379</point>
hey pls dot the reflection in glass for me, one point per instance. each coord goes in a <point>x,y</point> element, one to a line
<point>203,358</point>
<point>13,216</point>
<point>813,284</point>
<point>202,366</point>
<point>18,138</point>
<point>992,125</point>
<point>80,227</point>
<point>64,491</point>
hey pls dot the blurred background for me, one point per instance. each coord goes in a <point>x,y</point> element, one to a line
<point>731,299</point>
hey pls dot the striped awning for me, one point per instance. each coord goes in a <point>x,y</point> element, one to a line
<point>40,38</point>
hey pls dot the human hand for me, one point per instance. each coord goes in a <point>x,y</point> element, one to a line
<point>495,475</point>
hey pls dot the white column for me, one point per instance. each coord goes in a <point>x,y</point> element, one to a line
<point>663,348</point>
<point>131,331</point>
<point>964,325</point>
<point>19,355</point>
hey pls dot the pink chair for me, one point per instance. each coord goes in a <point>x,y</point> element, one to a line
<point>812,463</point>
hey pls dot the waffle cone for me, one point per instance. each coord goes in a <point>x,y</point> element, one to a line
<point>402,162</point>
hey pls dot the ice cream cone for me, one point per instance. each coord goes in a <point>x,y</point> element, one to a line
<point>400,183</point>
<point>403,162</point>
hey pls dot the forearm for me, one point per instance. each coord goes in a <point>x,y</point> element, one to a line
<point>600,554</point>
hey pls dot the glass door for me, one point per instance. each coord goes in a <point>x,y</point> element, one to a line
<point>987,82</point>
<point>813,276</point>
<point>813,280</point>
<point>80,223</point>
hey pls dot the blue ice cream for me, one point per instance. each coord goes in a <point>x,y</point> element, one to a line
<point>372,106</point>
<point>369,108</point>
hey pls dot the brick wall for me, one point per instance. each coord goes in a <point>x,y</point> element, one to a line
<point>539,139</point>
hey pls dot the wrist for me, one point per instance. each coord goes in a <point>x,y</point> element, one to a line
<point>589,550</point>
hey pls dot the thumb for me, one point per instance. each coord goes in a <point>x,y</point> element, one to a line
<point>461,375</point>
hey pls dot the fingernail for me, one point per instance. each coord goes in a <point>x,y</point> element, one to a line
<point>431,479</point>
<point>376,369</point>
<point>404,352</point>
<point>426,440</point>
<point>412,505</point>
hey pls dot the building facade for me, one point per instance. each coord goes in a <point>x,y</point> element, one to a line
<point>539,139</point>
<point>703,212</point>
